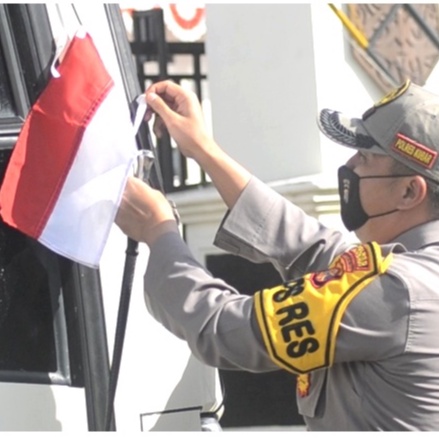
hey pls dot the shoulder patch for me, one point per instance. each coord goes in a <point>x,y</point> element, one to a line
<point>299,320</point>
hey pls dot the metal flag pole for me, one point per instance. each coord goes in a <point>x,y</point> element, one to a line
<point>145,160</point>
<point>155,179</point>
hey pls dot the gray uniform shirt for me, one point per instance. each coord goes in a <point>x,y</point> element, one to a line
<point>385,374</point>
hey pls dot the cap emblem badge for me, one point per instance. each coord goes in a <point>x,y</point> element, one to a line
<point>391,96</point>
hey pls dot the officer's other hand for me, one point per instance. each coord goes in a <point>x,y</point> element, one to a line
<point>180,112</point>
<point>144,213</point>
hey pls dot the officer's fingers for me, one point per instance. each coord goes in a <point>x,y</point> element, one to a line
<point>149,113</point>
<point>169,90</point>
<point>159,106</point>
<point>158,127</point>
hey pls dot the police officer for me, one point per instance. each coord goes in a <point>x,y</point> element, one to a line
<point>358,324</point>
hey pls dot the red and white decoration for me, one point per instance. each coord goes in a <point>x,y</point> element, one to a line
<point>186,22</point>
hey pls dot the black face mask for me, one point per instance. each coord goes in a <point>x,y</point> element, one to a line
<point>352,213</point>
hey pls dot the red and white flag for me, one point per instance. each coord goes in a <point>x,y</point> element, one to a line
<point>67,172</point>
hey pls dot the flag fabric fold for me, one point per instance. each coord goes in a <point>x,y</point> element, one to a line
<point>69,167</point>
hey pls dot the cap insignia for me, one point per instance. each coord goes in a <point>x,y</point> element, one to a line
<point>391,96</point>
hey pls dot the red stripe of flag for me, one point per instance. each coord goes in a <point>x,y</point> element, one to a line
<point>51,136</point>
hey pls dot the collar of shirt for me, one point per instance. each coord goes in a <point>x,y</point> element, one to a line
<point>420,236</point>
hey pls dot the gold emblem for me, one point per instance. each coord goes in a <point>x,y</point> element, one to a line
<point>389,97</point>
<point>303,384</point>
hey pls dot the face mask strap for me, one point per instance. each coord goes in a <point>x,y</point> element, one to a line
<point>385,176</point>
<point>383,214</point>
<point>388,176</point>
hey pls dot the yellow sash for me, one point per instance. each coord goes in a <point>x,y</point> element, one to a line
<point>299,320</point>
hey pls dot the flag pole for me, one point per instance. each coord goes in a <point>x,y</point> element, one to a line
<point>145,160</point>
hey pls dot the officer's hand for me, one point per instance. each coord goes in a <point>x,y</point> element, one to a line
<point>144,213</point>
<point>180,111</point>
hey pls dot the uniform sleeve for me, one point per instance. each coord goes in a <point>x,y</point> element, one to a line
<point>263,226</point>
<point>355,310</point>
<point>222,327</point>
<point>216,321</point>
<point>376,323</point>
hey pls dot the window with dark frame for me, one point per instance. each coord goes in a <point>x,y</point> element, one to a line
<point>35,323</point>
<point>7,109</point>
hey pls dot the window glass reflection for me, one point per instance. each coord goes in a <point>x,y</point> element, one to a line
<point>6,104</point>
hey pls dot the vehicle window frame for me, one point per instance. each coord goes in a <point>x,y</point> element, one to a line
<point>81,295</point>
<point>12,125</point>
<point>67,351</point>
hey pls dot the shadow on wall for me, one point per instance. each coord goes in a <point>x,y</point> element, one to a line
<point>27,408</point>
<point>184,406</point>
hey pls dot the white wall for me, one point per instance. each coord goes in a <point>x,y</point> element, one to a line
<point>341,83</point>
<point>262,86</point>
<point>271,68</point>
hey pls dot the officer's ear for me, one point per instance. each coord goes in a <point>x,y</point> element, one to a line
<point>413,192</point>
